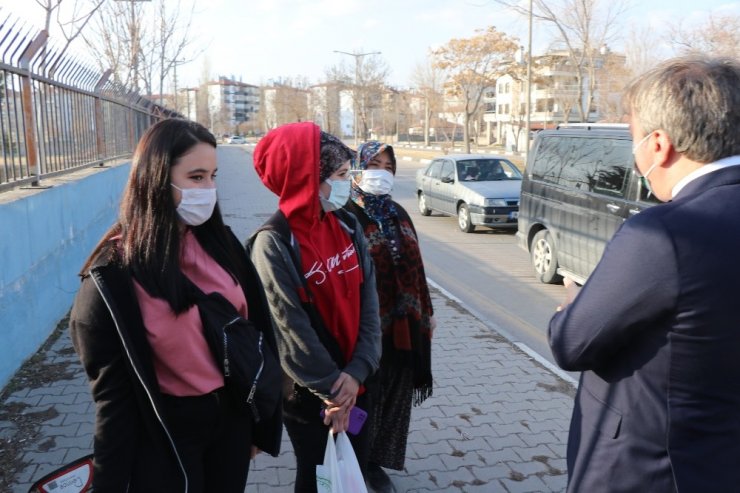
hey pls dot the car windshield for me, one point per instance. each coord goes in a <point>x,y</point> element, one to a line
<point>487,170</point>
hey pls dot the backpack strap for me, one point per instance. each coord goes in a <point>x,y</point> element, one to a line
<point>278,224</point>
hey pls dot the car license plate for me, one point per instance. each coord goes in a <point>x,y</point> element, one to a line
<point>514,215</point>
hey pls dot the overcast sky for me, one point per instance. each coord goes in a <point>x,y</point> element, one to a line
<point>259,40</point>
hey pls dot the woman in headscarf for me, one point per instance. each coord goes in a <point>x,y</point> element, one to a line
<point>406,314</point>
<point>320,284</point>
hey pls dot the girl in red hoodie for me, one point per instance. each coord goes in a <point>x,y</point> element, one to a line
<point>320,284</point>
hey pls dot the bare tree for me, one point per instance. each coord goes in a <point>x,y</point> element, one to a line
<point>583,27</point>
<point>143,44</point>
<point>473,66</point>
<point>116,40</point>
<point>372,75</point>
<point>203,102</point>
<point>74,23</point>
<point>169,42</point>
<point>640,50</point>
<point>429,82</point>
<point>293,105</point>
<point>367,75</point>
<point>611,79</point>
<point>719,35</point>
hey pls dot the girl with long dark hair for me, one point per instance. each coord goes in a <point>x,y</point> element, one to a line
<point>163,420</point>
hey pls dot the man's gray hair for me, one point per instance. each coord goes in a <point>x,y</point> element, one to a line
<point>695,100</point>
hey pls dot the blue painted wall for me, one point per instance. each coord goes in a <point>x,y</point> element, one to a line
<point>44,239</point>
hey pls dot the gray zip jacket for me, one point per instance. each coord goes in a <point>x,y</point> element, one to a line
<point>303,356</point>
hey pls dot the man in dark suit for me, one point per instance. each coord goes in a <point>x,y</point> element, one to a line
<point>656,328</point>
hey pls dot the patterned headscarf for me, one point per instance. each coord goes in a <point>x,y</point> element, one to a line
<point>367,151</point>
<point>379,208</point>
<point>333,153</point>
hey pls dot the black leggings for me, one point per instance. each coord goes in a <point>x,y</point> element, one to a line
<point>308,434</point>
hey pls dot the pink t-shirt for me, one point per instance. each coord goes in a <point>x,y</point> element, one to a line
<point>182,360</point>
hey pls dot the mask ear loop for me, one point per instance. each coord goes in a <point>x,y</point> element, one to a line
<point>355,175</point>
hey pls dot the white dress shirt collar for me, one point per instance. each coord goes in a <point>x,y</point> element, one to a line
<point>707,168</point>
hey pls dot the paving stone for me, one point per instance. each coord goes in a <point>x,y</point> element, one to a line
<point>30,400</point>
<point>51,399</point>
<point>505,442</point>
<point>527,453</point>
<point>532,484</point>
<point>42,391</point>
<point>491,473</point>
<point>555,483</point>
<point>445,479</point>
<point>528,468</point>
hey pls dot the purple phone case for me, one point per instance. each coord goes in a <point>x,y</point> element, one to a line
<point>357,418</point>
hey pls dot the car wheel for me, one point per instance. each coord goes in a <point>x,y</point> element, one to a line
<point>425,211</point>
<point>463,219</point>
<point>545,258</point>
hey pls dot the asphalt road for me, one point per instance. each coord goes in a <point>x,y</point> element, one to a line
<point>484,269</point>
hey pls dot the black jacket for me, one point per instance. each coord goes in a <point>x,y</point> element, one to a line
<point>109,336</point>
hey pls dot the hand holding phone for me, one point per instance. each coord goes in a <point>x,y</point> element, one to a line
<point>357,418</point>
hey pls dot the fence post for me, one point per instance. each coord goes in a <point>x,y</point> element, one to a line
<point>99,124</point>
<point>29,118</point>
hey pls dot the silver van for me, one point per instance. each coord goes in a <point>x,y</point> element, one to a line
<point>578,188</point>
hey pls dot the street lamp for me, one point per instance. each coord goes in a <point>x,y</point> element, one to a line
<point>357,82</point>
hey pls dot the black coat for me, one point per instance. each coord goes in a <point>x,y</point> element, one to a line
<point>109,336</point>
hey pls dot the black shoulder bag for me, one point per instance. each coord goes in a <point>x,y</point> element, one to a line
<point>252,373</point>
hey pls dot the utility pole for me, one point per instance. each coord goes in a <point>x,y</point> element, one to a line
<point>529,80</point>
<point>175,63</point>
<point>355,101</point>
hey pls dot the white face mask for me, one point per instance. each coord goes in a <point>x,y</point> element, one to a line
<point>376,181</point>
<point>338,196</point>
<point>645,180</point>
<point>196,205</point>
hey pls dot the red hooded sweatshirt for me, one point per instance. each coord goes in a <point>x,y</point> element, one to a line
<point>287,161</point>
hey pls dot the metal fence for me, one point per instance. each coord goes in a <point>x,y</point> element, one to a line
<point>58,114</point>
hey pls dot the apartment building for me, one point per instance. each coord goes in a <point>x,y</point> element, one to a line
<point>555,95</point>
<point>231,103</point>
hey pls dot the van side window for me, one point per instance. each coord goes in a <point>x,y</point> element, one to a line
<point>612,171</point>
<point>579,163</point>
<point>548,164</point>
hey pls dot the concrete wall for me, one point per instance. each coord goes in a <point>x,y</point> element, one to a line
<point>45,236</point>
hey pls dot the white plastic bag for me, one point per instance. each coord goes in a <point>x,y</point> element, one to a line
<point>350,474</point>
<point>327,474</point>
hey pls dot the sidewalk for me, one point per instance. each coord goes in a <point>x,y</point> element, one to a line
<point>497,422</point>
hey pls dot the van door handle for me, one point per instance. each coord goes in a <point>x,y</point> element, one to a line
<point>633,211</point>
<point>613,208</point>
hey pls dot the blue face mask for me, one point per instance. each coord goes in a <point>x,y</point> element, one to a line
<point>338,196</point>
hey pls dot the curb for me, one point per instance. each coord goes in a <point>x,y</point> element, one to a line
<point>507,335</point>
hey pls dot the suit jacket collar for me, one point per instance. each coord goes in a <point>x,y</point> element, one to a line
<point>724,176</point>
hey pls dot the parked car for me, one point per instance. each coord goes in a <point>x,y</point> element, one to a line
<point>579,187</point>
<point>236,139</point>
<point>480,190</point>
